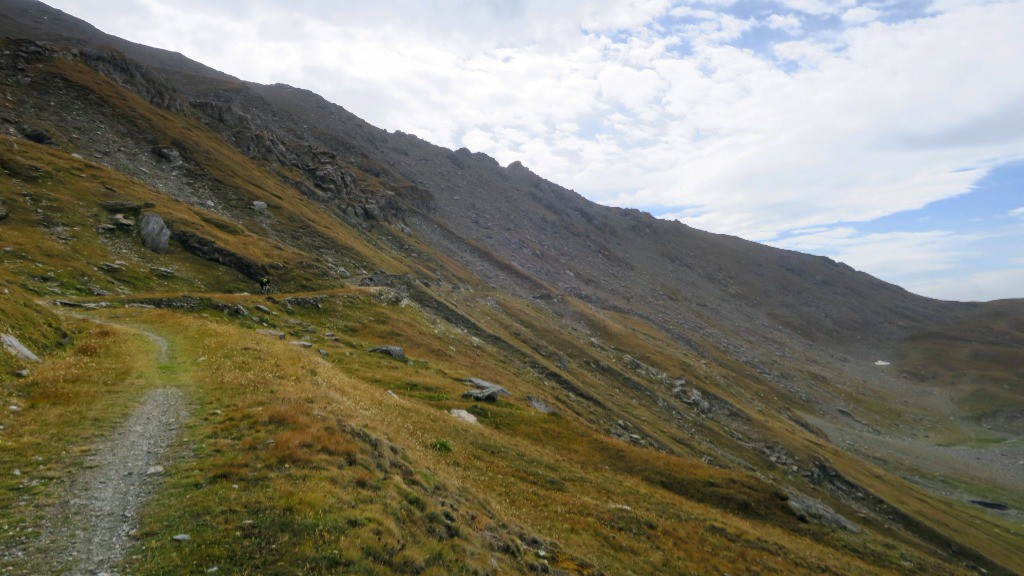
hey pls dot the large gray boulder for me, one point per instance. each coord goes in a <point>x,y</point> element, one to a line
<point>153,232</point>
<point>12,345</point>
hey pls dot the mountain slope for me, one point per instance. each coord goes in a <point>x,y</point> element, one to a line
<point>674,392</point>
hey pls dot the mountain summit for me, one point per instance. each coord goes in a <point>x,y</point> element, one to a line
<point>458,367</point>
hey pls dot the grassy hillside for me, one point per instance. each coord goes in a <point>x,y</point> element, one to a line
<point>624,446</point>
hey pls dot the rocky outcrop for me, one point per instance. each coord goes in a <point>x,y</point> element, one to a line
<point>137,78</point>
<point>239,127</point>
<point>169,154</point>
<point>125,206</point>
<point>209,250</point>
<point>485,391</point>
<point>540,405</point>
<point>325,178</point>
<point>37,135</point>
<point>305,301</point>
<point>16,348</point>
<point>395,352</point>
<point>815,511</point>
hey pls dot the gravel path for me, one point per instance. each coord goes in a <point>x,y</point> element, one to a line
<point>97,522</point>
<point>88,531</point>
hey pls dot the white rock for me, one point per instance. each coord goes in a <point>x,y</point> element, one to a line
<point>181,538</point>
<point>881,363</point>
<point>463,415</point>
<point>12,345</point>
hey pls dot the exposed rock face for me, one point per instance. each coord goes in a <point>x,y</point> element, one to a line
<point>124,206</point>
<point>395,352</point>
<point>485,391</point>
<point>12,345</point>
<point>540,405</point>
<point>136,77</point>
<point>169,154</point>
<point>809,509</point>
<point>209,250</point>
<point>693,397</point>
<point>305,301</point>
<point>36,135</point>
<point>154,233</point>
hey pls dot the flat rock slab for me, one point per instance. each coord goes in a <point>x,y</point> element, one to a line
<point>485,391</point>
<point>13,346</point>
<point>808,509</point>
<point>463,415</point>
<point>395,352</point>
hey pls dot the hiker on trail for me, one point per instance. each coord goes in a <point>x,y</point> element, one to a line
<point>264,284</point>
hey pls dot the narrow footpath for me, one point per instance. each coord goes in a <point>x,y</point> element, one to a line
<point>91,528</point>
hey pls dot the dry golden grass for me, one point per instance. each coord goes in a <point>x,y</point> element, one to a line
<point>65,408</point>
<point>338,475</point>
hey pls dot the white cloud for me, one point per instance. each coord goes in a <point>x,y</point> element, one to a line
<point>860,15</point>
<point>982,286</point>
<point>813,7</point>
<point>806,231</point>
<point>691,12</point>
<point>886,255</point>
<point>1018,212</point>
<point>789,23</point>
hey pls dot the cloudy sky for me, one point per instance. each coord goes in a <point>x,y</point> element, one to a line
<point>887,134</point>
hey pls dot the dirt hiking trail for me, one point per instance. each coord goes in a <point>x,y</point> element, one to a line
<point>88,532</point>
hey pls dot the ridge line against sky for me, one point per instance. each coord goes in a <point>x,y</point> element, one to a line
<point>885,134</point>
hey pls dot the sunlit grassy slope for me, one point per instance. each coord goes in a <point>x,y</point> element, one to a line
<point>332,459</point>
